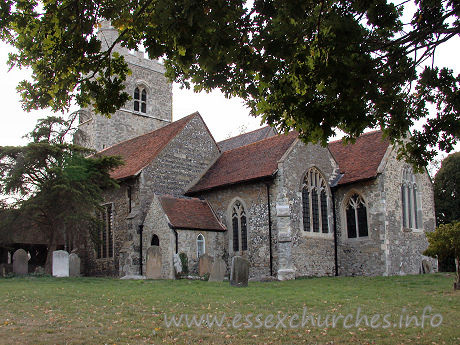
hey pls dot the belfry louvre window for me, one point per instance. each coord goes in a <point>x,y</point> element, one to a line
<point>104,247</point>
<point>410,202</point>
<point>314,202</point>
<point>239,227</point>
<point>356,213</point>
<point>140,100</point>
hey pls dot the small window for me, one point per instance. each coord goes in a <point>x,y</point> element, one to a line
<point>410,202</point>
<point>315,202</point>
<point>356,214</point>
<point>200,245</point>
<point>140,100</point>
<point>239,227</point>
<point>155,241</point>
<point>104,247</point>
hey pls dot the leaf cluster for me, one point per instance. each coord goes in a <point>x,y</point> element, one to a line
<point>313,66</point>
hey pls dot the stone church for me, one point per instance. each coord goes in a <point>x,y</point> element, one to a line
<point>291,209</point>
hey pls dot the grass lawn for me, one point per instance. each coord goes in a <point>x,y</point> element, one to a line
<point>44,310</point>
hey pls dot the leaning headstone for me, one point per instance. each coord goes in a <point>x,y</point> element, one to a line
<point>205,264</point>
<point>177,264</point>
<point>20,262</point>
<point>426,266</point>
<point>153,266</point>
<point>60,263</point>
<point>218,270</point>
<point>239,273</point>
<point>74,265</point>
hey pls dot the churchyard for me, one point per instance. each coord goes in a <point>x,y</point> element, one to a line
<point>80,310</point>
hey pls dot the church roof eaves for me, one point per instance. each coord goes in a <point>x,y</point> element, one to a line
<point>139,152</point>
<point>360,161</point>
<point>190,214</point>
<point>247,163</point>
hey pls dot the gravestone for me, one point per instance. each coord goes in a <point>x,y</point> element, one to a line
<point>177,264</point>
<point>74,265</point>
<point>426,266</point>
<point>153,266</point>
<point>60,263</point>
<point>239,273</point>
<point>20,262</point>
<point>218,270</point>
<point>205,264</point>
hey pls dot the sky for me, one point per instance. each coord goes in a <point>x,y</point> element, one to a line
<point>224,117</point>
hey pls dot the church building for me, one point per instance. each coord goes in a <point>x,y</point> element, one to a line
<point>292,209</point>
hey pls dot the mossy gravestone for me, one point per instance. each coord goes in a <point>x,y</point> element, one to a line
<point>239,273</point>
<point>218,270</point>
<point>20,262</point>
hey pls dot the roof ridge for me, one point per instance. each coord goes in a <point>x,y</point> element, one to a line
<point>239,135</point>
<point>258,141</point>
<point>360,136</point>
<point>188,117</point>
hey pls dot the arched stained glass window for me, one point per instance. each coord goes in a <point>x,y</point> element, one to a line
<point>200,245</point>
<point>356,215</point>
<point>315,202</point>
<point>239,227</point>
<point>410,202</point>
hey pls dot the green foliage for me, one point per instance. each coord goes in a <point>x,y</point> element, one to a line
<point>313,66</point>
<point>54,187</point>
<point>444,242</point>
<point>184,261</point>
<point>447,190</point>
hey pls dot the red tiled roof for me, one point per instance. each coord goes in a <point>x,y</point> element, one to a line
<point>190,213</point>
<point>359,161</point>
<point>253,161</point>
<point>140,151</point>
<point>246,138</point>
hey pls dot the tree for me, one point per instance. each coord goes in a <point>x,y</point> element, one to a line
<point>315,66</point>
<point>447,190</point>
<point>445,242</point>
<point>53,186</point>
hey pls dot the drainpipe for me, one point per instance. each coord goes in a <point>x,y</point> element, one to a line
<point>177,240</point>
<point>269,229</point>
<point>336,260</point>
<point>139,231</point>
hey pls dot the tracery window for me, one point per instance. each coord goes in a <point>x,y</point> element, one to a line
<point>315,202</point>
<point>239,227</point>
<point>104,248</point>
<point>200,245</point>
<point>410,203</point>
<point>140,100</point>
<point>356,214</point>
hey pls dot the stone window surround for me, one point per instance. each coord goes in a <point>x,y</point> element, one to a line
<point>329,235</point>
<point>203,241</point>
<point>406,169</point>
<point>141,85</point>
<point>343,216</point>
<point>230,231</point>
<point>110,258</point>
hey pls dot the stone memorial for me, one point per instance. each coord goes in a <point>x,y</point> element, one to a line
<point>20,262</point>
<point>60,263</point>
<point>153,265</point>
<point>74,265</point>
<point>205,264</point>
<point>177,264</point>
<point>239,273</point>
<point>426,266</point>
<point>218,270</point>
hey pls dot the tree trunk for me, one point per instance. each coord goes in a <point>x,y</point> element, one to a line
<point>49,255</point>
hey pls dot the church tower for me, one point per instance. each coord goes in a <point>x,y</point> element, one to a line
<point>150,106</point>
